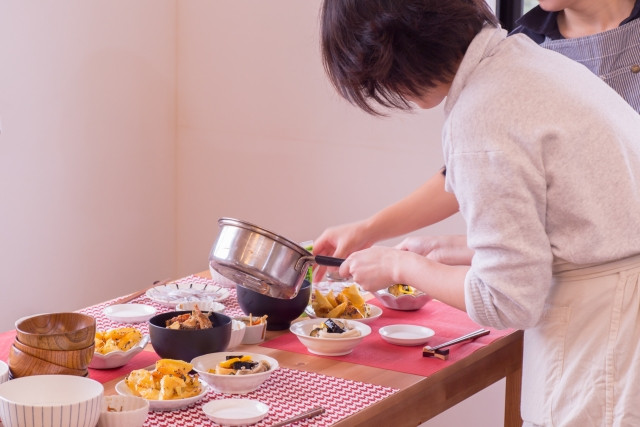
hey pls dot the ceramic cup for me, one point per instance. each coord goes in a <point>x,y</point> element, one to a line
<point>254,334</point>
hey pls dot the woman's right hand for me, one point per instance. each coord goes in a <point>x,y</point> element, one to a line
<point>340,241</point>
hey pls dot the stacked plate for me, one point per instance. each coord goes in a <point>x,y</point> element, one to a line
<point>53,343</point>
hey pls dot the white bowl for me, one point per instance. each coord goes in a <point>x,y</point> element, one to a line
<point>205,306</point>
<point>237,333</point>
<point>4,372</point>
<point>406,335</point>
<point>402,302</point>
<point>51,401</point>
<point>232,384</point>
<point>328,346</point>
<point>123,411</point>
<point>117,358</point>
<point>129,313</point>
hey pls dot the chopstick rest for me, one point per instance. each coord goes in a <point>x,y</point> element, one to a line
<point>440,352</point>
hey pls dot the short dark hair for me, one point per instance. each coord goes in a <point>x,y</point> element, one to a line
<point>380,51</point>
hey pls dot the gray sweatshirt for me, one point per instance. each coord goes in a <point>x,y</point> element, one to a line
<point>544,159</point>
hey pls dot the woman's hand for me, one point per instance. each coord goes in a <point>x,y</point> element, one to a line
<point>339,241</point>
<point>450,250</point>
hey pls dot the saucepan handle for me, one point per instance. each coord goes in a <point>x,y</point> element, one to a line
<point>328,261</point>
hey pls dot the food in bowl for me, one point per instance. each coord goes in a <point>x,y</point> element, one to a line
<point>401,289</point>
<point>348,304</point>
<point>194,320</point>
<point>123,411</point>
<point>169,380</point>
<point>328,346</point>
<point>233,384</point>
<point>122,339</point>
<point>250,320</point>
<point>336,329</point>
<point>241,364</point>
<point>185,344</point>
<point>402,297</point>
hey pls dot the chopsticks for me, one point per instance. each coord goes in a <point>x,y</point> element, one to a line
<point>438,351</point>
<point>308,414</point>
<point>136,294</point>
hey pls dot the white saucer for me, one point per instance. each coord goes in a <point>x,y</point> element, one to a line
<point>130,313</point>
<point>235,412</point>
<point>406,335</point>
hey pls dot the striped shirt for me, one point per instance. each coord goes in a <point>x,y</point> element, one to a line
<point>613,55</point>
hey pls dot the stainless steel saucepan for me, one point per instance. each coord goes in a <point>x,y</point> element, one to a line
<point>261,260</point>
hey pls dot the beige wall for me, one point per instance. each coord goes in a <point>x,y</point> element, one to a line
<point>87,151</point>
<point>264,138</point>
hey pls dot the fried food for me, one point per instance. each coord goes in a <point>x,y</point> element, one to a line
<point>401,289</point>
<point>117,339</point>
<point>240,365</point>
<point>195,320</point>
<point>348,304</point>
<point>334,329</point>
<point>169,380</point>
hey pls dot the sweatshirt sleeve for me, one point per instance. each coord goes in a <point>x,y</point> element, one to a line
<point>502,198</point>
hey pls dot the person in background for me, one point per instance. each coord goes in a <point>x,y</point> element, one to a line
<point>550,193</point>
<point>603,35</point>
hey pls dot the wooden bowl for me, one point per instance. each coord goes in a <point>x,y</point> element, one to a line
<point>23,365</point>
<point>74,359</point>
<point>57,331</point>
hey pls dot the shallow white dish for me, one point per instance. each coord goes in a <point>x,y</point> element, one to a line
<point>406,335</point>
<point>123,411</point>
<point>232,384</point>
<point>50,400</point>
<point>402,302</point>
<point>117,358</point>
<point>129,313</point>
<point>235,412</point>
<point>205,306</point>
<point>375,313</point>
<point>165,405</point>
<point>328,346</point>
<point>172,294</point>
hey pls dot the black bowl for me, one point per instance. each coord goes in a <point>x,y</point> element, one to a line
<point>280,312</point>
<point>185,344</point>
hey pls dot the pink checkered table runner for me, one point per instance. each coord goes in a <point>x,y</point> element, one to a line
<point>287,392</point>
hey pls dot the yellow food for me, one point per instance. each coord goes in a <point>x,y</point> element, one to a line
<point>117,339</point>
<point>348,304</point>
<point>400,289</point>
<point>169,380</point>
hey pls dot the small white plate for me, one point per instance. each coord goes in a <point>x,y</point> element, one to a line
<point>235,412</point>
<point>406,335</point>
<point>172,294</point>
<point>129,313</point>
<point>165,405</point>
<point>375,313</point>
<point>117,358</point>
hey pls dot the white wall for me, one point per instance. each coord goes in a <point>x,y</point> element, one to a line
<point>87,165</point>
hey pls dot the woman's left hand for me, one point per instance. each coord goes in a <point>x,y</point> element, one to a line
<point>374,268</point>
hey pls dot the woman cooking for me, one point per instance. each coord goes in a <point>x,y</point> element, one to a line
<point>543,159</point>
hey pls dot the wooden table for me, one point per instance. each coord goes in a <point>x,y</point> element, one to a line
<point>419,398</point>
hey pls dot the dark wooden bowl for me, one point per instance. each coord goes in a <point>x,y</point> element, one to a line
<point>74,359</point>
<point>57,331</point>
<point>23,365</point>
